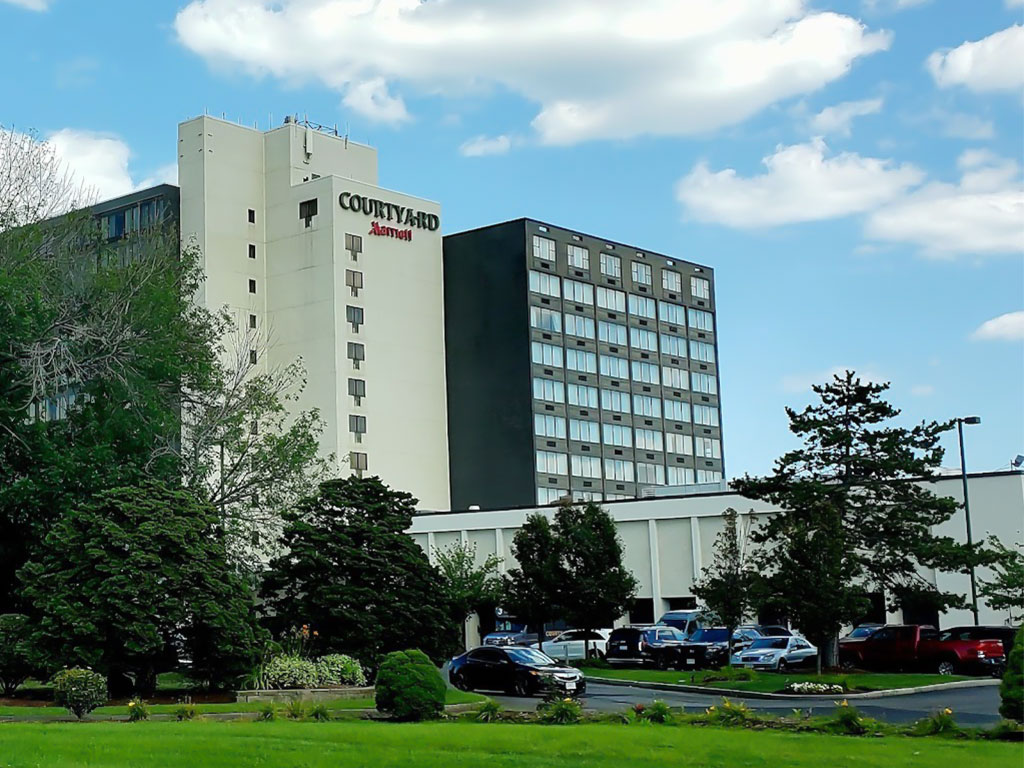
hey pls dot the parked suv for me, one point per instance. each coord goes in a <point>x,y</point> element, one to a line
<point>709,647</point>
<point>644,644</point>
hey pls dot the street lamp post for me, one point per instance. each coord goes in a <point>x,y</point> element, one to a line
<point>967,506</point>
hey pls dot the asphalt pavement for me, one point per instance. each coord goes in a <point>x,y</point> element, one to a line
<point>971,706</point>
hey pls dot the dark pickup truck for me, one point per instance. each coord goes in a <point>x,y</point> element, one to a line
<point>922,647</point>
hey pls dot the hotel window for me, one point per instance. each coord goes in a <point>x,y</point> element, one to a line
<point>581,327</point>
<point>584,431</point>
<point>548,426</point>
<point>307,210</point>
<point>252,286</point>
<point>709,476</point>
<point>702,351</point>
<point>252,322</point>
<point>356,353</point>
<point>645,405</point>
<point>616,496</point>
<point>673,346</point>
<point>543,248</point>
<point>646,373</point>
<point>577,292</point>
<point>586,496</point>
<point>618,470</point>
<point>676,410</point>
<point>648,440</point>
<point>611,266</point>
<point>614,366</point>
<point>545,319</point>
<point>547,285</point>
<point>680,476</point>
<point>354,280</point>
<point>582,395</point>
<point>578,360</point>
<point>546,354</point>
<point>252,215</point>
<point>617,435</point>
<point>642,273</point>
<point>614,400</point>
<point>551,463</point>
<point>704,383</point>
<point>252,250</point>
<point>706,415</point>
<point>708,447</point>
<point>357,426</point>
<point>252,357</point>
<point>677,443</point>
<point>701,320</point>
<point>354,315</point>
<point>641,339</point>
<point>548,390</point>
<point>357,390</point>
<point>673,314</point>
<point>579,258</point>
<point>354,245</point>
<point>611,333</point>
<point>641,306</point>
<point>700,288</point>
<point>586,466</point>
<point>610,299</point>
<point>671,281</point>
<point>550,495</point>
<point>358,463</point>
<point>650,474</point>
<point>674,378</point>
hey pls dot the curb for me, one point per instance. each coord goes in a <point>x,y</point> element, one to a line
<point>733,693</point>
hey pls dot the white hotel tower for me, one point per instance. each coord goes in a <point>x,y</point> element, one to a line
<point>300,244</point>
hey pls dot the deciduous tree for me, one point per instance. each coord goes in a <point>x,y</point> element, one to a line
<point>533,590</point>
<point>726,586</point>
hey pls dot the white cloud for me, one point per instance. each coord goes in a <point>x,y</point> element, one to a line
<point>922,390</point>
<point>32,5</point>
<point>837,119</point>
<point>662,67</point>
<point>802,382</point>
<point>1015,3</point>
<point>1008,327</point>
<point>983,214</point>
<point>480,146</point>
<point>100,162</point>
<point>995,63</point>
<point>800,184</point>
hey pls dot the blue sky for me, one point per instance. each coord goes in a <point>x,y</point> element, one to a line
<point>850,169</point>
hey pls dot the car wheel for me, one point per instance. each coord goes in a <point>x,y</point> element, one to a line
<point>460,682</point>
<point>594,653</point>
<point>946,667</point>
<point>846,664</point>
<point>521,687</point>
<point>783,666</point>
<point>660,661</point>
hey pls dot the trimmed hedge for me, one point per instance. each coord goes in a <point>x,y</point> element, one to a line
<point>79,691</point>
<point>1011,690</point>
<point>409,686</point>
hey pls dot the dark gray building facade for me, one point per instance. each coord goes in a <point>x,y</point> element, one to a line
<point>576,366</point>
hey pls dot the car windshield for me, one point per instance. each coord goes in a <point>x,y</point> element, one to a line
<point>529,656</point>
<point>769,642</point>
<point>505,625</point>
<point>674,622</point>
<point>711,636</point>
<point>863,631</point>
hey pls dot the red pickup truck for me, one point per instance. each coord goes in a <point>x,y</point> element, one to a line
<point>921,647</point>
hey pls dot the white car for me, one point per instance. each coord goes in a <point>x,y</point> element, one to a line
<point>776,653</point>
<point>572,644</point>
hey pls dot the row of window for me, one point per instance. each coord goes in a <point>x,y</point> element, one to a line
<point>586,396</point>
<point>619,435</point>
<point>578,257</point>
<point>673,476</point>
<point>639,371</point>
<point>616,470</point>
<point>639,306</point>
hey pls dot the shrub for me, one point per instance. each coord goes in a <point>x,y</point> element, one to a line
<point>295,709</point>
<point>941,723</point>
<point>320,713</point>
<point>1008,730</point>
<point>729,714</point>
<point>186,711</point>
<point>488,712</point>
<point>1011,690</point>
<point>79,691</point>
<point>657,712</point>
<point>14,662</point>
<point>286,671</point>
<point>409,687</point>
<point>723,674</point>
<point>339,669</point>
<point>560,712</point>
<point>267,712</point>
<point>138,710</point>
<point>847,719</point>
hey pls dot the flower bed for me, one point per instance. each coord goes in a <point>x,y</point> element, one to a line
<point>813,688</point>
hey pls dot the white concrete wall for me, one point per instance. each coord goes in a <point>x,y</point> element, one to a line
<point>667,563</point>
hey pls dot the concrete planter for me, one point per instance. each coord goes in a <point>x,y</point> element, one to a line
<point>308,694</point>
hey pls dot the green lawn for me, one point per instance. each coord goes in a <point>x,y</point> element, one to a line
<point>453,697</point>
<point>467,745</point>
<point>771,682</point>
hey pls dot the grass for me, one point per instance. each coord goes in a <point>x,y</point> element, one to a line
<point>468,745</point>
<point>453,697</point>
<point>772,682</point>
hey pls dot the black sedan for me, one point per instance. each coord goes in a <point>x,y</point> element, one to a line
<point>517,670</point>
